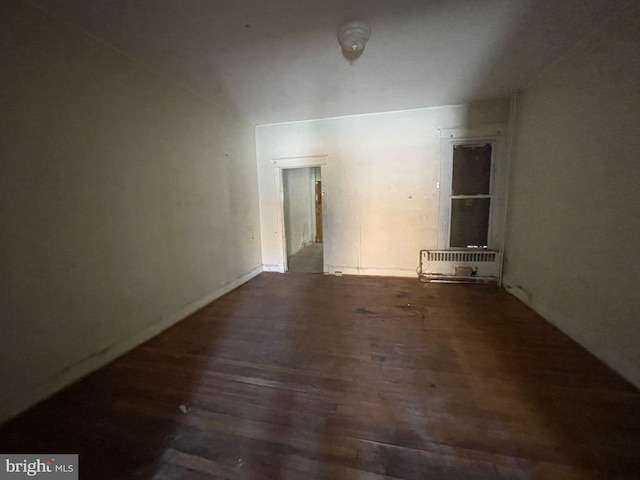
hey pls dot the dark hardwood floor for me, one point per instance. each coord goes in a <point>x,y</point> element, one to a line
<point>318,377</point>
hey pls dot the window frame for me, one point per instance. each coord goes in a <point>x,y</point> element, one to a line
<point>452,196</point>
<point>490,134</point>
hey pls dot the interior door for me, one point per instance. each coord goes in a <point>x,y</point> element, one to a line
<point>318,211</point>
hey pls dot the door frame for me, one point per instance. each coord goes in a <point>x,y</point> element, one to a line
<point>287,163</point>
<point>318,199</point>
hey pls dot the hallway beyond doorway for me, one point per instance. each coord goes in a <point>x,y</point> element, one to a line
<point>307,260</point>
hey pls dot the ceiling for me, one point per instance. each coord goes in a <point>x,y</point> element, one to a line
<point>279,60</point>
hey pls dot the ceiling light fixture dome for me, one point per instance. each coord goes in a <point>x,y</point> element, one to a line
<point>353,35</point>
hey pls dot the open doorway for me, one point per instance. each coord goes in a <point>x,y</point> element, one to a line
<point>302,198</point>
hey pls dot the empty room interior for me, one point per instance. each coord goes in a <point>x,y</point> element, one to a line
<point>341,239</point>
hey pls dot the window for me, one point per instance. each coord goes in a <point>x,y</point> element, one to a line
<point>471,189</point>
<point>470,197</point>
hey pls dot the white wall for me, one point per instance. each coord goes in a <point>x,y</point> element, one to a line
<point>126,202</point>
<point>573,238</point>
<point>381,201</point>
<point>298,210</point>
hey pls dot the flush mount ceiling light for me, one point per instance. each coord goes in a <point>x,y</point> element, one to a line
<point>353,35</point>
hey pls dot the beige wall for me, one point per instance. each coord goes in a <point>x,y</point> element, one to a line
<point>127,202</point>
<point>380,177</point>
<point>573,238</point>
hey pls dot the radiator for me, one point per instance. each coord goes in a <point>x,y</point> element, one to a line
<point>459,265</point>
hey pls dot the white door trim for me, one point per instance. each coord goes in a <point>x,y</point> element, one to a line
<point>286,163</point>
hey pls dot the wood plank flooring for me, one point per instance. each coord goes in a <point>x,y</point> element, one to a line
<point>318,377</point>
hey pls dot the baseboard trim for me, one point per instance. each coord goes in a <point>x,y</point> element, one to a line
<point>279,268</point>
<point>372,271</point>
<point>9,408</point>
